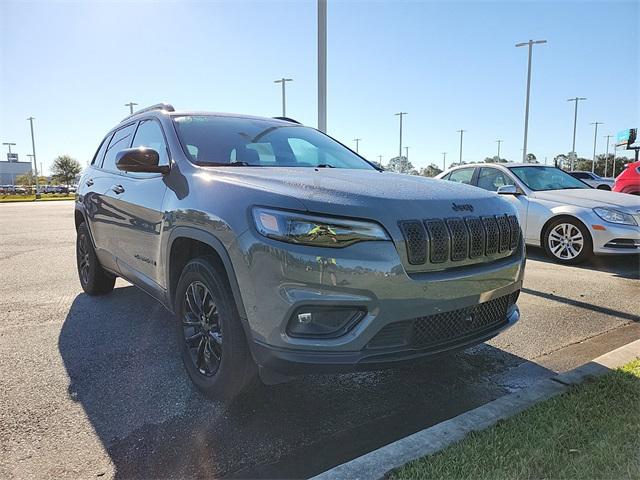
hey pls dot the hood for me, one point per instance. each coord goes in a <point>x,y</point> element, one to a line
<point>369,193</point>
<point>591,198</point>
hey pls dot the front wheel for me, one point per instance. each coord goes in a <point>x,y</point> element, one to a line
<point>567,241</point>
<point>213,345</point>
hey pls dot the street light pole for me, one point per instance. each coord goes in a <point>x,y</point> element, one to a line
<point>357,140</point>
<point>33,149</point>
<point>530,43</point>
<point>283,81</point>
<point>130,105</point>
<point>606,155</point>
<point>444,161</point>
<point>461,132</point>
<point>322,65</point>
<point>406,149</point>
<point>9,144</point>
<point>400,114</point>
<point>615,150</point>
<point>499,142</point>
<point>380,160</point>
<point>575,122</point>
<point>595,141</point>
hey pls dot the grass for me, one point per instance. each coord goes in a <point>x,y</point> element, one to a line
<point>32,198</point>
<point>592,431</point>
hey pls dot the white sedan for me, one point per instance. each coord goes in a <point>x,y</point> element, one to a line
<point>568,218</point>
<point>596,181</point>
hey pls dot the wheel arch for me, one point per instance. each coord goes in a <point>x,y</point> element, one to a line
<point>560,216</point>
<point>196,242</point>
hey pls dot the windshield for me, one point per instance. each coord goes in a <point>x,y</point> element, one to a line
<point>540,178</point>
<point>233,141</point>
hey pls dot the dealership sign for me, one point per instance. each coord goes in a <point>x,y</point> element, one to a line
<point>627,139</point>
<point>12,157</point>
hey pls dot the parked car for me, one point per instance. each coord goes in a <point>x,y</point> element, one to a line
<point>593,180</point>
<point>629,180</point>
<point>565,216</point>
<point>283,252</point>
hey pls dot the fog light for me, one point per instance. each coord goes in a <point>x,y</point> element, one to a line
<point>324,322</point>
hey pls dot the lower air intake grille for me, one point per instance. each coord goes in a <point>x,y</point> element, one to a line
<point>448,328</point>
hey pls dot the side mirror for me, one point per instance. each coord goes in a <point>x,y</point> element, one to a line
<point>140,160</point>
<point>509,190</point>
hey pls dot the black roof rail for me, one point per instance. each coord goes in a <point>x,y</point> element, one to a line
<point>158,106</point>
<point>287,119</point>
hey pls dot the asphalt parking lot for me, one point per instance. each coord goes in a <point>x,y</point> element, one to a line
<point>94,386</point>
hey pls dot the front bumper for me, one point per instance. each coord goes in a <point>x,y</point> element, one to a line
<point>276,279</point>
<point>616,239</point>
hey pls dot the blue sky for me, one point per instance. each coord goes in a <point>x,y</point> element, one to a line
<point>450,65</point>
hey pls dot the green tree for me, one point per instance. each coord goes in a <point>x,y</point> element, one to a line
<point>65,169</point>
<point>430,171</point>
<point>495,159</point>
<point>531,158</point>
<point>400,165</point>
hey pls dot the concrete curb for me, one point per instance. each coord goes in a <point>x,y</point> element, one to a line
<point>378,463</point>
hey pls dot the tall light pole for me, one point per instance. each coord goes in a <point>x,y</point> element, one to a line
<point>461,132</point>
<point>499,142</point>
<point>400,114</point>
<point>33,149</point>
<point>615,150</point>
<point>406,149</point>
<point>444,161</point>
<point>130,105</point>
<point>606,155</point>
<point>283,81</point>
<point>322,65</point>
<point>357,140</point>
<point>380,160</point>
<point>595,141</point>
<point>530,43</point>
<point>575,122</point>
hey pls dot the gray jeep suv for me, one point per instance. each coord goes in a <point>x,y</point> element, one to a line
<point>283,252</point>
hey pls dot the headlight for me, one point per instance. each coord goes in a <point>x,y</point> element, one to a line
<point>313,230</point>
<point>615,216</point>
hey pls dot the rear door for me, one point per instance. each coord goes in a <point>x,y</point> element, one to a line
<point>138,199</point>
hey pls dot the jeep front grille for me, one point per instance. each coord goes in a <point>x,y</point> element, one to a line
<point>447,328</point>
<point>455,239</point>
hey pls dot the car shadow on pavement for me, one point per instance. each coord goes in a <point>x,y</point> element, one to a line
<point>623,266</point>
<point>120,354</point>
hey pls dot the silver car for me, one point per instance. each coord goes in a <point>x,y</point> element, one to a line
<point>568,218</point>
<point>283,252</point>
<point>593,180</point>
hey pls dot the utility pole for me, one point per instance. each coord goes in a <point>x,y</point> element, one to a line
<point>130,105</point>
<point>444,161</point>
<point>461,132</point>
<point>357,140</point>
<point>406,149</point>
<point>499,142</point>
<point>35,163</point>
<point>283,81</point>
<point>400,114</point>
<point>530,43</point>
<point>595,141</point>
<point>606,155</point>
<point>9,144</point>
<point>575,122</point>
<point>322,65</point>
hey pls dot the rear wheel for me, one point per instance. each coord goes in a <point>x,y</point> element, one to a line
<point>604,187</point>
<point>94,279</point>
<point>213,345</point>
<point>567,241</point>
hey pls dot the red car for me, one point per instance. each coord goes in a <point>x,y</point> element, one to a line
<point>629,180</point>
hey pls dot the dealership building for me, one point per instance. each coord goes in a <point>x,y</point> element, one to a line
<point>10,170</point>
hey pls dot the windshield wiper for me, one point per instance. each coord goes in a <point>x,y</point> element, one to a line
<point>233,164</point>
<point>324,165</point>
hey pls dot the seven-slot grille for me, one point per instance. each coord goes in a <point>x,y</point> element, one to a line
<point>457,239</point>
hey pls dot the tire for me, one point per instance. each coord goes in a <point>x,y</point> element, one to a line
<point>567,241</point>
<point>604,187</point>
<point>213,347</point>
<point>94,279</point>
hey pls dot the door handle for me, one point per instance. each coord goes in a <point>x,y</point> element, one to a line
<point>118,189</point>
<point>89,182</point>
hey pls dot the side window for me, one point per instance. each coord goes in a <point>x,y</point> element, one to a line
<point>149,135</point>
<point>581,176</point>
<point>445,177</point>
<point>97,159</point>
<point>463,175</point>
<point>120,140</point>
<point>491,179</point>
